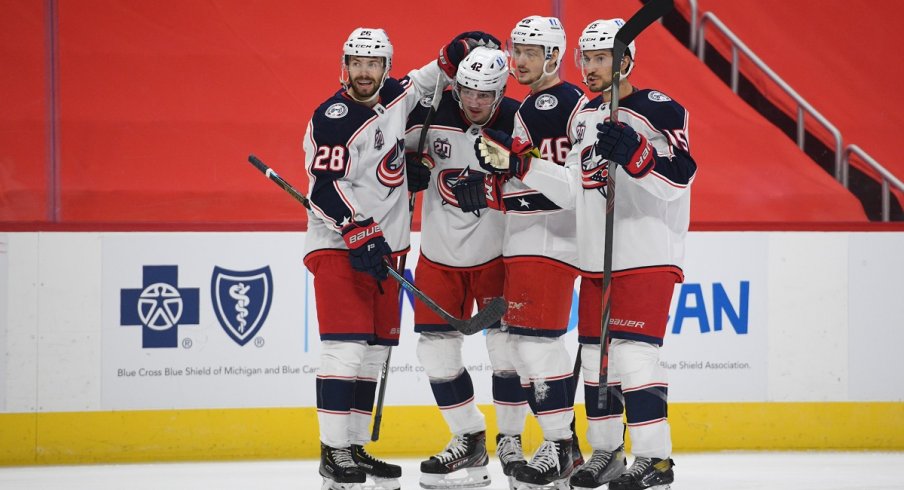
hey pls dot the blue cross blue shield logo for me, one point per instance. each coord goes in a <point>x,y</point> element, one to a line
<point>241,301</point>
<point>159,306</point>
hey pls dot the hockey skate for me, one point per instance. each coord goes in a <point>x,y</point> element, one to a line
<point>644,473</point>
<point>550,467</point>
<point>385,476</point>
<point>339,470</point>
<point>510,454</point>
<point>463,464</point>
<point>603,467</point>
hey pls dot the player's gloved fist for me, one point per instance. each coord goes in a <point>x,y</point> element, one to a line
<point>418,172</point>
<point>367,248</point>
<point>498,153</point>
<point>450,55</point>
<point>619,143</point>
<point>480,38</point>
<point>469,192</point>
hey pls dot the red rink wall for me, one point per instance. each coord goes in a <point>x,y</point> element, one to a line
<point>160,103</point>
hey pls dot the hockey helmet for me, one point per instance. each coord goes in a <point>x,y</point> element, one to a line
<point>365,41</point>
<point>542,31</point>
<point>600,34</point>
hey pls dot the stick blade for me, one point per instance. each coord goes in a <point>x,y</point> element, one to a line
<point>485,318</point>
<point>649,13</point>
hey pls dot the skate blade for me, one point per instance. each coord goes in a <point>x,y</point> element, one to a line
<point>375,483</point>
<point>476,477</point>
<point>332,485</point>
<point>556,485</point>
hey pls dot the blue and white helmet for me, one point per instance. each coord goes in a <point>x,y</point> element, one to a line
<point>365,41</point>
<point>483,69</point>
<point>600,34</point>
<point>542,31</point>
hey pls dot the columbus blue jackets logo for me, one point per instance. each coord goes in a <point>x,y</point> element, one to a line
<point>160,306</point>
<point>658,96</point>
<point>442,148</point>
<point>336,111</point>
<point>241,301</point>
<point>546,102</point>
<point>447,178</point>
<point>391,171</point>
<point>594,170</point>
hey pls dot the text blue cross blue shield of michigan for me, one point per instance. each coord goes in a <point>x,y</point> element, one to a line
<point>241,301</point>
<point>159,306</point>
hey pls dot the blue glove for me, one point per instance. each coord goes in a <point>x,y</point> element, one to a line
<point>450,55</point>
<point>619,143</point>
<point>469,192</point>
<point>498,153</point>
<point>367,248</point>
<point>418,172</point>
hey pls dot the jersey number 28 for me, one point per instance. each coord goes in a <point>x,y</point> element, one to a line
<point>330,159</point>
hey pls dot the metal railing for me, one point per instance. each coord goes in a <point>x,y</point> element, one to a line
<point>841,171</point>
<point>887,177</point>
<point>692,23</point>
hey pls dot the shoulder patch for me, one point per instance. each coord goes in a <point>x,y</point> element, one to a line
<point>546,102</point>
<point>336,111</point>
<point>427,101</point>
<point>657,96</point>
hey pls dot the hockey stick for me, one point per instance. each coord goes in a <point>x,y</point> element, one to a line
<point>381,396</point>
<point>649,13</point>
<point>412,201</point>
<point>489,315</point>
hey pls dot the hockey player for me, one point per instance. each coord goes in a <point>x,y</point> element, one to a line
<point>461,259</point>
<point>540,256</point>
<point>649,150</point>
<point>354,157</point>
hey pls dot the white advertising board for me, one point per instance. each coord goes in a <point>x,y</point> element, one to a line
<point>204,320</point>
<point>716,345</point>
<point>210,320</point>
<point>4,316</point>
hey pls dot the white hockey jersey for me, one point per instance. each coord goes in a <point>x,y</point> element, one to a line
<point>450,237</point>
<point>355,160</point>
<point>536,228</point>
<point>652,214</point>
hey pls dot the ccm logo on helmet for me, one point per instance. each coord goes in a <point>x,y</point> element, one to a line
<point>364,234</point>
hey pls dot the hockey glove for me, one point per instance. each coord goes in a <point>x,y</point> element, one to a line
<point>619,143</point>
<point>367,248</point>
<point>450,55</point>
<point>469,192</point>
<point>498,153</point>
<point>418,172</point>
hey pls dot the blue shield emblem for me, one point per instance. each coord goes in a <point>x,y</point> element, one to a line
<point>241,301</point>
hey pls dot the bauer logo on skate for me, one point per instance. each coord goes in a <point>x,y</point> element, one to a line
<point>241,301</point>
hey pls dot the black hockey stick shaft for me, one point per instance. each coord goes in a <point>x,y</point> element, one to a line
<point>484,318</point>
<point>381,397</point>
<point>422,138</point>
<point>649,13</point>
<point>575,376</point>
